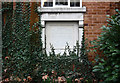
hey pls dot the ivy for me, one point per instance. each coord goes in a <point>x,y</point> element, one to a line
<point>20,54</point>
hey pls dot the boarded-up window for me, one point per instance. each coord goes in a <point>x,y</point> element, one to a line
<point>60,33</point>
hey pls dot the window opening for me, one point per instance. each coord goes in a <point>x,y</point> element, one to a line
<point>47,3</point>
<point>74,3</point>
<point>61,2</point>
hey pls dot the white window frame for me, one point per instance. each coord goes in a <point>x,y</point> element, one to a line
<point>54,6</point>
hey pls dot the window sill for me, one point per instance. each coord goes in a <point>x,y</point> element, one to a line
<point>63,9</point>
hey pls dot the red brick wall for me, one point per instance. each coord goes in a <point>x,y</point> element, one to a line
<point>34,16</point>
<point>95,17</point>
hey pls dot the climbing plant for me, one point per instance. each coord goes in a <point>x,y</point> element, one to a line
<point>20,54</point>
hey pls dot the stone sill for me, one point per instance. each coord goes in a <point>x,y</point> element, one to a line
<point>62,9</point>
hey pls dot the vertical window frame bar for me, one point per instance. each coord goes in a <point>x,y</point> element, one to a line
<point>80,3</point>
<point>53,3</point>
<point>68,3</point>
<point>41,3</point>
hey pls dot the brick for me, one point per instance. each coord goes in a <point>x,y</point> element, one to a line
<point>95,18</point>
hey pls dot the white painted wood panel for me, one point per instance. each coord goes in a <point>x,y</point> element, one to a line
<point>60,33</point>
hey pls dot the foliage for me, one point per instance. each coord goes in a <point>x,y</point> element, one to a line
<point>7,6</point>
<point>20,55</point>
<point>108,67</point>
<point>23,57</point>
<point>72,64</point>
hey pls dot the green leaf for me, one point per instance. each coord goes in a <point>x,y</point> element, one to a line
<point>96,70</point>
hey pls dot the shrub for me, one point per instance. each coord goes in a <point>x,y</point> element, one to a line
<point>72,65</point>
<point>108,44</point>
